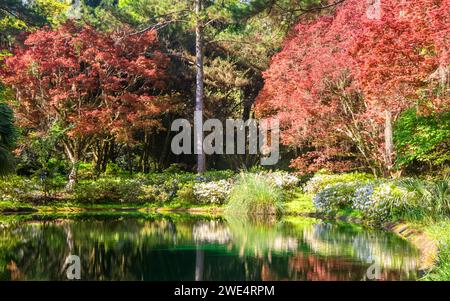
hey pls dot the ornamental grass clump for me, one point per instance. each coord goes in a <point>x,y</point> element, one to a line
<point>433,197</point>
<point>255,195</point>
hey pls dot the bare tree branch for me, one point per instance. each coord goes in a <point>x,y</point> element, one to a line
<point>311,9</point>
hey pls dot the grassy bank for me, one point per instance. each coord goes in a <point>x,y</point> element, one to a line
<point>10,207</point>
<point>439,232</point>
<point>416,209</point>
<point>156,190</point>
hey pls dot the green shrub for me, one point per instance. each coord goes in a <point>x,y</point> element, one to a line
<point>112,169</point>
<point>173,179</point>
<point>152,193</point>
<point>7,139</point>
<point>255,195</point>
<point>186,193</point>
<point>16,188</point>
<point>40,186</point>
<point>173,168</point>
<point>139,189</point>
<point>320,180</point>
<point>86,171</point>
<point>113,190</point>
<point>422,138</point>
<point>49,184</point>
<point>216,175</point>
<point>213,187</point>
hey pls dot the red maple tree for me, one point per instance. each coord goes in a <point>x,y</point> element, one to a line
<point>88,83</point>
<point>342,78</point>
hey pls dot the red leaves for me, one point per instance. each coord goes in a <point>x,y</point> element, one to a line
<point>392,63</point>
<point>92,81</point>
<point>337,74</point>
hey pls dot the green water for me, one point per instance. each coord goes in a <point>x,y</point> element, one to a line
<point>133,246</point>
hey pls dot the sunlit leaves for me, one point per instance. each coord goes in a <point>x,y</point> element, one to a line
<point>93,82</point>
<point>339,72</point>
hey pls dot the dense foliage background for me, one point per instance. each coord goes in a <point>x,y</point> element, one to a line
<point>99,82</point>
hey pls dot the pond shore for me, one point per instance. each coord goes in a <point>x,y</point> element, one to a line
<point>427,246</point>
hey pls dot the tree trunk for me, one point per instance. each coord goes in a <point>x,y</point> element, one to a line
<point>388,141</point>
<point>101,153</point>
<point>73,177</point>
<point>201,160</point>
<point>129,159</point>
<point>72,154</point>
<point>165,153</point>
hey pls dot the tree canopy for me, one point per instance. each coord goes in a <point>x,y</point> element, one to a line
<point>106,78</point>
<point>339,73</point>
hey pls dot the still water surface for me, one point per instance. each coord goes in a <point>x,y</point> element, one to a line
<point>134,246</point>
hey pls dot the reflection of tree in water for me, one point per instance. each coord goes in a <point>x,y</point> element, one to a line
<point>178,248</point>
<point>27,249</point>
<point>389,251</point>
<point>315,268</point>
<point>116,249</point>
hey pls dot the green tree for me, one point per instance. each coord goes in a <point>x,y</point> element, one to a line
<point>17,16</point>
<point>422,139</point>
<point>7,137</point>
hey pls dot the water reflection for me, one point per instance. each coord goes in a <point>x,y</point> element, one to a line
<point>181,247</point>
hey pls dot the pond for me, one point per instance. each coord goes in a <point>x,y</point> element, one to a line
<point>150,246</point>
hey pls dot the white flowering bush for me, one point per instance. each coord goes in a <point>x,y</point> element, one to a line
<point>320,181</point>
<point>362,199</point>
<point>215,192</point>
<point>334,197</point>
<point>378,202</point>
<point>387,200</point>
<point>283,180</point>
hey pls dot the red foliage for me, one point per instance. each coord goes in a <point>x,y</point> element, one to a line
<point>396,55</point>
<point>92,82</point>
<point>336,75</point>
